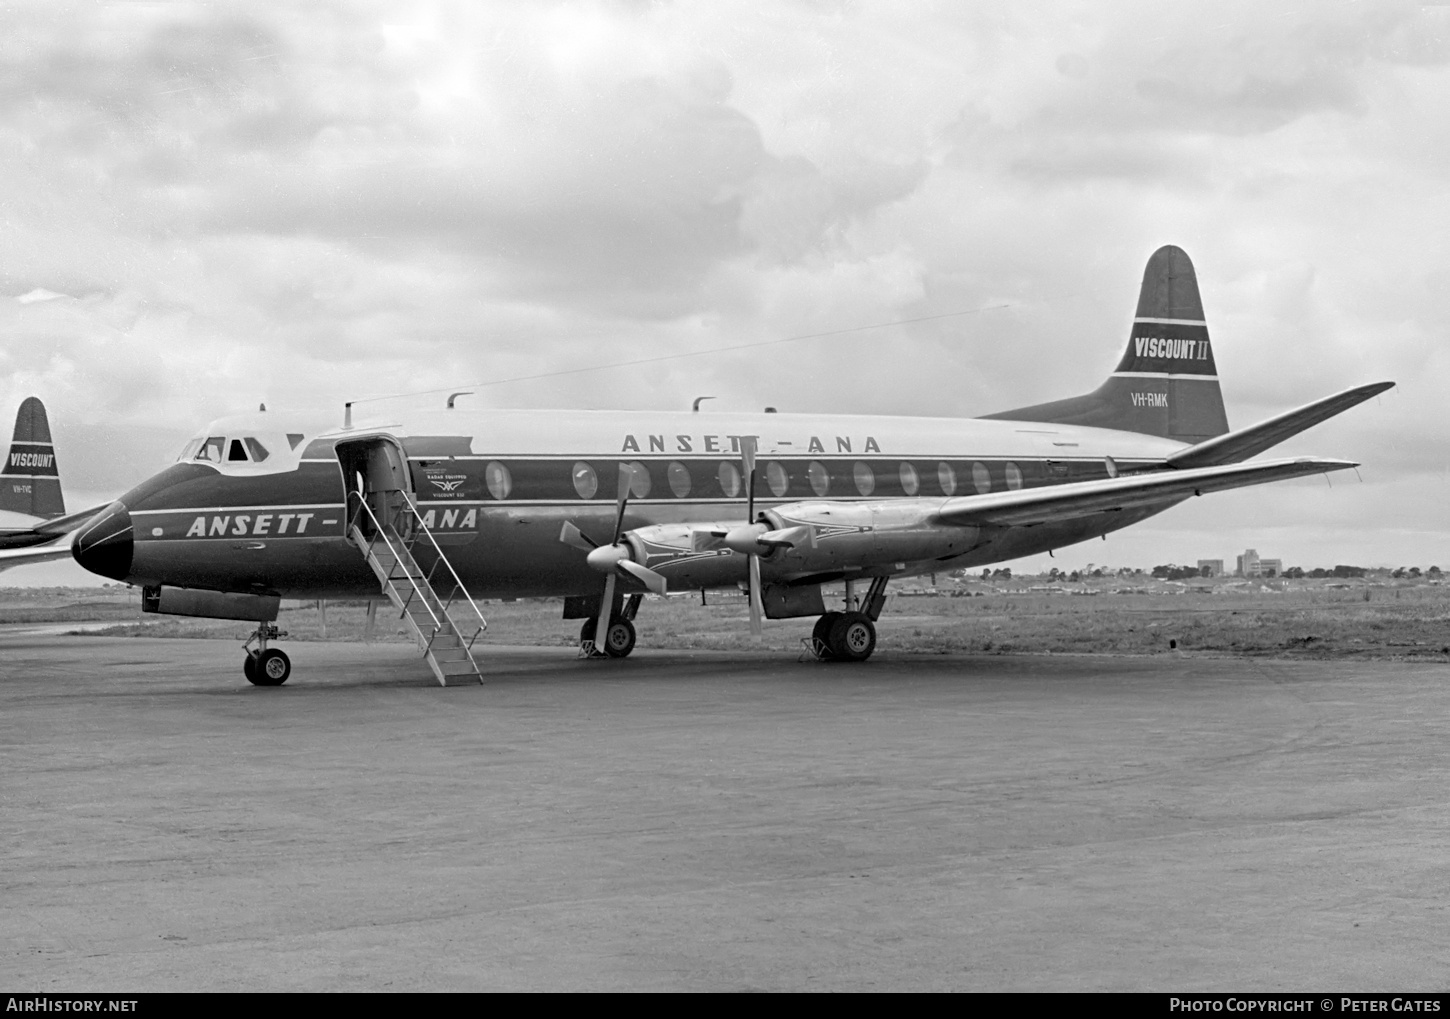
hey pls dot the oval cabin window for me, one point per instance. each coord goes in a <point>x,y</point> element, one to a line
<point>586,482</point>
<point>729,478</point>
<point>1014,477</point>
<point>777,478</point>
<point>639,482</point>
<point>910,483</point>
<point>981,478</point>
<point>819,478</point>
<point>865,480</point>
<point>678,476</point>
<point>500,482</point>
<point>946,478</point>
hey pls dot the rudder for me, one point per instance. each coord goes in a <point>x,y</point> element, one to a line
<point>1167,381</point>
<point>30,479</point>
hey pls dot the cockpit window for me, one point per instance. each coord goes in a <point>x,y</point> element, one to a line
<point>237,452</point>
<point>258,451</point>
<point>211,449</point>
<point>189,450</point>
<point>293,438</point>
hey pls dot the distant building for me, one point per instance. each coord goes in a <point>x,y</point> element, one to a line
<point>1250,565</point>
<point>1213,566</point>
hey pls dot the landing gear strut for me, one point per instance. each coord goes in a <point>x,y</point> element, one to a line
<point>266,666</point>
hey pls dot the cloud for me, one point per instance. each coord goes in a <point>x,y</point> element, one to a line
<point>307,204</point>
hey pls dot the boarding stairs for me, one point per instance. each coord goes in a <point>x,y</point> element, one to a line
<point>445,628</point>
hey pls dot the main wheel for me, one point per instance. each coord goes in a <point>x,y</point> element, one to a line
<point>619,639</point>
<point>853,637</point>
<point>249,667</point>
<point>821,635</point>
<point>270,668</point>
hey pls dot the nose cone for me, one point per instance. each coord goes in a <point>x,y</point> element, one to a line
<point>106,544</point>
<point>746,539</point>
<point>606,557</point>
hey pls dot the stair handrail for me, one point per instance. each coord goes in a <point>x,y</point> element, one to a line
<point>441,558</point>
<point>381,532</point>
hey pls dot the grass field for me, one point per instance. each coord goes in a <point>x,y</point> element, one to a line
<point>1298,619</point>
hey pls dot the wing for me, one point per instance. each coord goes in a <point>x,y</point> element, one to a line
<point>1063,502</point>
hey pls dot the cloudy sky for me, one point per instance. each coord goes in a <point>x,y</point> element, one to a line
<point>211,205</point>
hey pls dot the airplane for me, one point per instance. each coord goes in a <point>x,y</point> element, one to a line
<point>32,507</point>
<point>437,509</point>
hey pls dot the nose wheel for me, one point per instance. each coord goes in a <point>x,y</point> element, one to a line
<point>265,666</point>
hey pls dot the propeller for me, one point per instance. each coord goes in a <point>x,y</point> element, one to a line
<point>613,559</point>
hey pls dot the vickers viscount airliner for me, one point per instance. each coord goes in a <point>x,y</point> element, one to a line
<point>436,510</point>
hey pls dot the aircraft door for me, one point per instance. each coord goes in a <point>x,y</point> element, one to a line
<point>375,470</point>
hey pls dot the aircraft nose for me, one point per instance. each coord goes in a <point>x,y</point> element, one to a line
<point>105,545</point>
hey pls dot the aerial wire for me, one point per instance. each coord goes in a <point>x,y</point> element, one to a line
<point>685,354</point>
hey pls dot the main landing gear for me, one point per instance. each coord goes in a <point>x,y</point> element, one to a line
<point>266,666</point>
<point>850,636</point>
<point>619,636</point>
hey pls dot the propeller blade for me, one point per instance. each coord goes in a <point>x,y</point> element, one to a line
<point>646,576</point>
<point>747,460</point>
<point>605,617</point>
<point>754,594</point>
<point>626,482</point>
<point>575,538</point>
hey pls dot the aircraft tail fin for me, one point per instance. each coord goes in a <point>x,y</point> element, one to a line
<point>29,479</point>
<point>1166,383</point>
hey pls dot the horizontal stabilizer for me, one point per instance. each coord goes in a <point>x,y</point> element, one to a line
<point>1246,442</point>
<point>1065,502</point>
<point>57,549</point>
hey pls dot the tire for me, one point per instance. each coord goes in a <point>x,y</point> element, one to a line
<point>249,667</point>
<point>821,635</point>
<point>619,639</point>
<point>271,669</point>
<point>853,637</point>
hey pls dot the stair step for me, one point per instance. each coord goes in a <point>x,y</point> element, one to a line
<point>464,668</point>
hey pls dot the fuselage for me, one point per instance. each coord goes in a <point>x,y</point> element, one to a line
<point>271,512</point>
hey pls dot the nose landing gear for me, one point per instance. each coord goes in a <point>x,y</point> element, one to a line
<point>266,666</point>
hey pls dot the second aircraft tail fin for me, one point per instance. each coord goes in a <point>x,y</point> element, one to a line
<point>1167,382</point>
<point>29,479</point>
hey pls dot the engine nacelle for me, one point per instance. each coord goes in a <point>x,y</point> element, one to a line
<point>800,539</point>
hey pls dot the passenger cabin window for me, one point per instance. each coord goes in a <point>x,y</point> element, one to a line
<point>981,478</point>
<point>819,477</point>
<point>1014,477</point>
<point>864,477</point>
<point>946,478</point>
<point>910,483</point>
<point>679,477</point>
<point>777,478</point>
<point>729,477</point>
<point>639,480</point>
<point>500,482</point>
<point>586,482</point>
